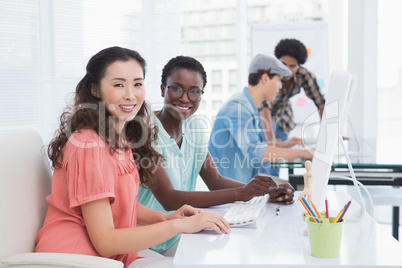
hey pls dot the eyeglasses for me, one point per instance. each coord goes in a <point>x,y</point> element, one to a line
<point>194,94</point>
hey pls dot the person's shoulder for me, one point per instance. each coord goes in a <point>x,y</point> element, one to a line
<point>238,97</point>
<point>196,120</point>
<point>162,137</point>
<point>86,138</point>
<point>303,71</point>
<point>196,124</point>
<point>154,120</point>
<point>232,104</point>
<point>80,141</point>
<point>85,134</point>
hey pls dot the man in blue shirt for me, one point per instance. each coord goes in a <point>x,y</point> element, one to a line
<point>237,142</point>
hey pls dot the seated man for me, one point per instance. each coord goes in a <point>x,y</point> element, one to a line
<point>237,142</point>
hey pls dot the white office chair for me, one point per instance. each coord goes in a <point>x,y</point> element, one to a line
<point>25,181</point>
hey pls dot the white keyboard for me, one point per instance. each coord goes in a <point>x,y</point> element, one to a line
<point>245,213</point>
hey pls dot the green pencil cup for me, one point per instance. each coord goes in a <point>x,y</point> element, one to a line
<point>325,238</point>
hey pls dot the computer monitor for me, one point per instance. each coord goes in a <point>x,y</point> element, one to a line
<point>337,105</point>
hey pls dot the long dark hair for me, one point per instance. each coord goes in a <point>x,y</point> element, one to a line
<point>88,112</point>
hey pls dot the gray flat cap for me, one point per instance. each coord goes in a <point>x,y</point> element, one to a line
<point>264,62</point>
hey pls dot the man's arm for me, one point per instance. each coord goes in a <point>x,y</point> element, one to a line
<point>266,123</point>
<point>276,154</point>
<point>321,111</point>
<point>312,90</point>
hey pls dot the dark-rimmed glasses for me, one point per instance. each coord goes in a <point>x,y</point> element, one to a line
<point>176,92</point>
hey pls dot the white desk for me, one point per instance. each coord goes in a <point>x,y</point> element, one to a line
<point>279,242</point>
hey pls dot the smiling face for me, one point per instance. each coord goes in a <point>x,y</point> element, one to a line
<point>122,90</point>
<point>181,107</point>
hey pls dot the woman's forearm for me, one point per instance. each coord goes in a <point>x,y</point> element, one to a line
<point>147,216</point>
<point>199,198</point>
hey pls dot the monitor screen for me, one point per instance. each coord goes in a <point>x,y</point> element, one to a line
<point>337,104</point>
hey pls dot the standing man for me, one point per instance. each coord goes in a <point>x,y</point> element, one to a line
<point>237,142</point>
<point>292,53</point>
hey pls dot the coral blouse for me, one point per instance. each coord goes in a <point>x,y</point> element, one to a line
<point>89,172</point>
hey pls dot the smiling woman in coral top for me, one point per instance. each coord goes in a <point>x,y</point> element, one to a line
<point>93,205</point>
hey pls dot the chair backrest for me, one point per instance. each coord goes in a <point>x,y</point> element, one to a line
<point>25,181</point>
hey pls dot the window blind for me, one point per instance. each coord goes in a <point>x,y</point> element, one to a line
<point>45,45</point>
<point>19,64</point>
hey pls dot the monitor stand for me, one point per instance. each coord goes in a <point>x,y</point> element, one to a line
<point>363,205</point>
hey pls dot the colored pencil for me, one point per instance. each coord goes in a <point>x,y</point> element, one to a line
<point>316,211</point>
<point>312,211</point>
<point>344,211</point>
<point>308,211</point>
<point>340,213</point>
<point>326,207</point>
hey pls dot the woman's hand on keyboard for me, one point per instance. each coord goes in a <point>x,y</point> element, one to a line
<point>284,193</point>
<point>258,186</point>
<point>204,220</point>
<point>184,211</point>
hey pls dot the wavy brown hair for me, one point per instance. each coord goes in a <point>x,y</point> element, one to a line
<point>89,112</point>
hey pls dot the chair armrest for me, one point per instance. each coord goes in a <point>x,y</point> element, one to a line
<point>59,260</point>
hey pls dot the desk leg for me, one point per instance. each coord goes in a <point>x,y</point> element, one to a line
<point>291,171</point>
<point>395,222</point>
<point>297,182</point>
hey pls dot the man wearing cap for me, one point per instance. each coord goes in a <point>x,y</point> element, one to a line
<point>237,142</point>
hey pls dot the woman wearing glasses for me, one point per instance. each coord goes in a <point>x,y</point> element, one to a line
<point>183,142</point>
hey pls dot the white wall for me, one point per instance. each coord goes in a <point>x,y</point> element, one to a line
<point>161,41</point>
<point>45,46</point>
<point>362,61</point>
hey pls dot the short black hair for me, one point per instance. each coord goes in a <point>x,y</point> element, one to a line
<point>183,62</point>
<point>293,48</point>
